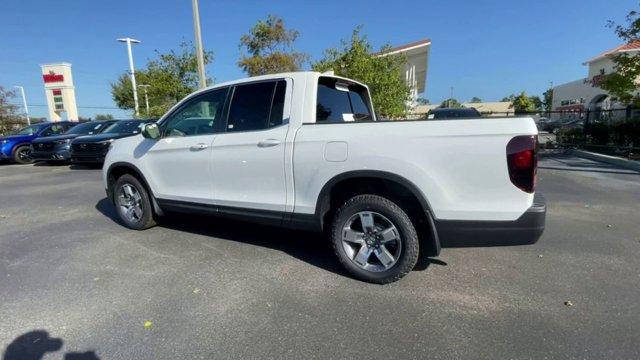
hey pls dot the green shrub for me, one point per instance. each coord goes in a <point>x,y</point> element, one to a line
<point>570,136</point>
<point>598,134</point>
<point>626,133</point>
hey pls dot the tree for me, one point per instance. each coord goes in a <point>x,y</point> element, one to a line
<point>547,103</point>
<point>383,73</point>
<point>10,119</point>
<point>270,48</point>
<point>536,103</point>
<point>622,83</point>
<point>522,103</point>
<point>104,117</point>
<point>451,103</point>
<point>170,77</point>
<point>475,100</point>
<point>422,101</point>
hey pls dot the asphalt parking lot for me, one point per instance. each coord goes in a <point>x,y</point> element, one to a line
<point>75,283</point>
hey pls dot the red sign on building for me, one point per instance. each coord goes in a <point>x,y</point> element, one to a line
<point>52,77</point>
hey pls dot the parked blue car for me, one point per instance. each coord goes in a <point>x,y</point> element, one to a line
<point>17,146</point>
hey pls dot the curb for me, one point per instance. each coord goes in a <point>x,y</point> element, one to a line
<point>624,163</point>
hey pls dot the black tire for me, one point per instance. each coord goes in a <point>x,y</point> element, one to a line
<point>407,234</point>
<point>146,220</point>
<point>21,155</point>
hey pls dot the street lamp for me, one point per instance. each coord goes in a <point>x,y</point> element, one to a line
<point>24,103</point>
<point>132,72</point>
<point>202,80</point>
<point>146,98</point>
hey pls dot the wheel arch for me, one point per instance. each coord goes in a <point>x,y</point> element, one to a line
<point>17,145</point>
<point>382,183</point>
<point>118,169</point>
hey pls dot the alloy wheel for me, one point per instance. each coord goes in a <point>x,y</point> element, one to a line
<point>130,203</point>
<point>24,155</point>
<point>371,241</point>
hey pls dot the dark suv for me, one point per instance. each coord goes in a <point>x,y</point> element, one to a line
<point>92,149</point>
<point>453,113</point>
<point>56,148</point>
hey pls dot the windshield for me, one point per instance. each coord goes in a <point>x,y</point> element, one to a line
<point>92,127</point>
<point>124,127</point>
<point>29,130</point>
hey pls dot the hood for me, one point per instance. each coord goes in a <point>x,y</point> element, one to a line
<point>101,137</point>
<point>48,139</point>
<point>18,137</point>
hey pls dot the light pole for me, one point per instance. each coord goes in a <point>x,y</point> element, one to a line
<point>129,41</point>
<point>202,80</point>
<point>146,98</point>
<point>451,96</point>
<point>24,103</point>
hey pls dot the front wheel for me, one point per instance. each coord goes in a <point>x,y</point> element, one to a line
<point>22,155</point>
<point>133,204</point>
<point>374,239</point>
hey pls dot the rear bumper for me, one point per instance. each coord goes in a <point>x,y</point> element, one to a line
<point>525,230</point>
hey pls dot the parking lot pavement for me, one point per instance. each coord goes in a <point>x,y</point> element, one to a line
<point>73,281</point>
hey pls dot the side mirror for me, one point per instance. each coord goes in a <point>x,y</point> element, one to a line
<point>151,131</point>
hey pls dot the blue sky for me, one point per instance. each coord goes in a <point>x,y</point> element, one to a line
<point>488,49</point>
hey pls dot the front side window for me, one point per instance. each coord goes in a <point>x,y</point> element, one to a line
<point>29,130</point>
<point>340,101</point>
<point>257,106</point>
<point>201,115</point>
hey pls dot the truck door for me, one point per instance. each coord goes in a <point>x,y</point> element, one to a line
<point>180,161</point>
<point>248,168</point>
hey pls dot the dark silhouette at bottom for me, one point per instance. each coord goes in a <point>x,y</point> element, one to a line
<point>35,344</point>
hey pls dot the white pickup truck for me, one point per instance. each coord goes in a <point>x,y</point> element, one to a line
<point>305,150</point>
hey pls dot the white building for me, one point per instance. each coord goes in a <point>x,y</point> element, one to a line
<point>415,74</point>
<point>60,92</point>
<point>577,97</point>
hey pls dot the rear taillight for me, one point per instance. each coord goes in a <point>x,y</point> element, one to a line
<point>522,161</point>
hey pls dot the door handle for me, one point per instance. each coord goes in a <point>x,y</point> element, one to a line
<point>198,147</point>
<point>268,143</point>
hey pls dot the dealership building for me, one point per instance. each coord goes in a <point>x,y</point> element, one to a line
<point>584,95</point>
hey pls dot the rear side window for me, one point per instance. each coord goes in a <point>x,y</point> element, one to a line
<point>340,101</point>
<point>256,106</point>
<point>277,107</point>
<point>54,130</point>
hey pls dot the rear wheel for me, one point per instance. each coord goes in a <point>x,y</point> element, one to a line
<point>374,239</point>
<point>133,204</point>
<point>22,155</point>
